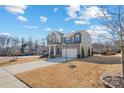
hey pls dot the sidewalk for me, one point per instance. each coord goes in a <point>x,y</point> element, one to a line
<point>7,80</point>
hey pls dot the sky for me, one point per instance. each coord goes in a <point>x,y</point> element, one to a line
<point>38,20</point>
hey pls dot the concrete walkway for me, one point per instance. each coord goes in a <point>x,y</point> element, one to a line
<point>7,78</point>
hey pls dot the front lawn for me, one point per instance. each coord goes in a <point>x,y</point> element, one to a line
<point>19,60</point>
<point>81,74</point>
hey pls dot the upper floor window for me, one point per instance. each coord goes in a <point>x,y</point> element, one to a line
<point>77,37</point>
<point>72,39</point>
<point>50,39</point>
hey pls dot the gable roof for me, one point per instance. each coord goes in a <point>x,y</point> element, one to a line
<point>56,32</point>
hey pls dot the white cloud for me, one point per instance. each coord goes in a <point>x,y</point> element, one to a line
<point>43,19</point>
<point>67,19</point>
<point>82,15</point>
<point>22,18</point>
<point>92,32</point>
<point>72,31</point>
<point>16,9</point>
<point>91,12</point>
<point>19,10</point>
<point>79,22</point>
<point>97,30</point>
<point>72,10</point>
<point>48,29</point>
<point>6,34</point>
<point>61,29</point>
<point>30,27</point>
<point>55,9</point>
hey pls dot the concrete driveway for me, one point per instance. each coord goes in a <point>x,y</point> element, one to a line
<point>7,78</point>
<point>58,60</point>
<point>19,68</point>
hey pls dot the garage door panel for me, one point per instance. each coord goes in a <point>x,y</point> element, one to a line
<point>70,53</point>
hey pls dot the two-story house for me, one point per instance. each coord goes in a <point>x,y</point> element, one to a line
<point>72,45</point>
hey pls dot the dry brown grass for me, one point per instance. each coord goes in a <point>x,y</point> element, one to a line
<point>85,74</point>
<point>20,60</point>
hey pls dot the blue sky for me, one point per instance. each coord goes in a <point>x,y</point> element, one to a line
<point>37,21</point>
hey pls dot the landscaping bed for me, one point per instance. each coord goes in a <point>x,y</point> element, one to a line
<point>113,81</point>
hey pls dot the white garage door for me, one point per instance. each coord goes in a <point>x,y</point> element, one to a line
<point>70,53</point>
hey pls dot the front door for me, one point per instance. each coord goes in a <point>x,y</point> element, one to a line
<point>57,50</point>
<point>52,51</point>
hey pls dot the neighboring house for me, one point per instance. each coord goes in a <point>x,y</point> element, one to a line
<point>74,44</point>
<point>41,50</point>
<point>26,50</point>
<point>34,51</point>
<point>100,48</point>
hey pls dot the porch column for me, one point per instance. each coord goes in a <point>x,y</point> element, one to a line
<point>54,50</point>
<point>49,50</point>
<point>80,51</point>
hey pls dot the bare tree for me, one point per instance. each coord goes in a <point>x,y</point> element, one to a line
<point>42,42</point>
<point>14,44</point>
<point>30,45</point>
<point>4,44</point>
<point>22,41</point>
<point>113,20</point>
<point>7,49</point>
<point>36,45</point>
<point>22,45</point>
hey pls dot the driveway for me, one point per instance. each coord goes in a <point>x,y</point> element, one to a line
<point>7,78</point>
<point>19,68</point>
<point>58,60</point>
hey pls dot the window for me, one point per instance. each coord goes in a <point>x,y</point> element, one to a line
<point>50,39</point>
<point>77,37</point>
<point>72,39</point>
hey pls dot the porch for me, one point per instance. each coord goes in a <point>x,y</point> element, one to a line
<point>55,50</point>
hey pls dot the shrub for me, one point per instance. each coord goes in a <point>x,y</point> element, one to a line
<point>78,56</point>
<point>51,56</point>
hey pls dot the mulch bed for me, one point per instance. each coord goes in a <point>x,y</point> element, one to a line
<point>113,81</point>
